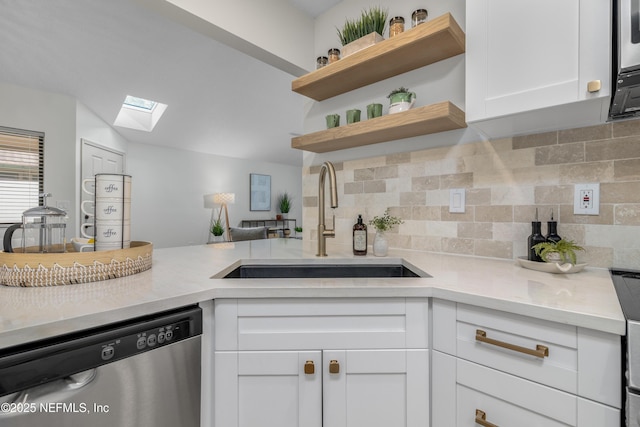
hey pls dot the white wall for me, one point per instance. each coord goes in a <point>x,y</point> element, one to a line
<point>272,31</point>
<point>55,115</point>
<point>168,186</point>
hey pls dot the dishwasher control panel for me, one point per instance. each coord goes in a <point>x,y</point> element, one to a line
<point>58,357</point>
<point>146,339</point>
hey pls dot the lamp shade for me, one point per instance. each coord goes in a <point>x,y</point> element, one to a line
<point>224,198</point>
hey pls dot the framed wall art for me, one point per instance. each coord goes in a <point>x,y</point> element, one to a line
<point>260,192</point>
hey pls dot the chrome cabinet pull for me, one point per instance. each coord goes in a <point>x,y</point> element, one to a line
<point>481,418</point>
<point>334,367</point>
<point>540,350</point>
<point>309,367</point>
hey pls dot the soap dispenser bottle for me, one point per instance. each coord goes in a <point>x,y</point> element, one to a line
<point>535,238</point>
<point>359,237</point>
<point>552,230</point>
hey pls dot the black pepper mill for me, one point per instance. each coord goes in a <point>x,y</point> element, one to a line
<point>552,230</point>
<point>535,238</point>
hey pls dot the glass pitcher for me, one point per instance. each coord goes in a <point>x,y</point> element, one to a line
<point>44,228</point>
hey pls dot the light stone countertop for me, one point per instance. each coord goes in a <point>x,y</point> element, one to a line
<point>183,276</point>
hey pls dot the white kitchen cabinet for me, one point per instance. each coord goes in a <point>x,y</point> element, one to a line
<point>322,362</point>
<point>538,372</point>
<point>548,59</point>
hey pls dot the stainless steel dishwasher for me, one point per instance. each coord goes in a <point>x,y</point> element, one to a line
<point>137,373</point>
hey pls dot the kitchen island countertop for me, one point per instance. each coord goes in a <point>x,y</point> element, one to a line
<point>184,275</point>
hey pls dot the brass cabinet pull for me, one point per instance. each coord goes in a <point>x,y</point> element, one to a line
<point>309,367</point>
<point>540,350</point>
<point>594,86</point>
<point>481,418</point>
<point>334,367</point>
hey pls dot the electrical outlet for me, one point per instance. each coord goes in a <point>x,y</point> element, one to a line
<point>456,200</point>
<point>586,199</point>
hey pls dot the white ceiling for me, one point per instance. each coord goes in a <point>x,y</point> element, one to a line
<point>220,101</point>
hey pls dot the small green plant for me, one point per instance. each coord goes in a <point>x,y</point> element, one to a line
<point>385,222</point>
<point>216,228</point>
<point>373,20</point>
<point>298,229</point>
<point>566,250</point>
<point>401,89</point>
<point>284,202</point>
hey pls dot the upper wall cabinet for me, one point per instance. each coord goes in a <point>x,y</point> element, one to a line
<point>537,56</point>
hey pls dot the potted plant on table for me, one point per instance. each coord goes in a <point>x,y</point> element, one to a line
<point>562,251</point>
<point>359,33</point>
<point>217,230</point>
<point>284,204</point>
<point>382,224</point>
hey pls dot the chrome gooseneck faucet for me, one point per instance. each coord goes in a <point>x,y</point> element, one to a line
<point>323,231</point>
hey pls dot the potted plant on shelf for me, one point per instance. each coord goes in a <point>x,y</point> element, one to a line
<point>562,251</point>
<point>284,204</point>
<point>217,230</point>
<point>401,99</point>
<point>359,33</point>
<point>382,224</point>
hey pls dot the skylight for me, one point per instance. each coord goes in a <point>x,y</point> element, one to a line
<point>145,104</point>
<point>139,113</point>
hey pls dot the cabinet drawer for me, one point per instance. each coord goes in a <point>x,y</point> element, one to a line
<point>295,324</point>
<point>535,349</point>
<point>503,398</point>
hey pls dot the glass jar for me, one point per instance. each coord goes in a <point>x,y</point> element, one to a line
<point>396,26</point>
<point>334,55</point>
<point>418,17</point>
<point>321,62</point>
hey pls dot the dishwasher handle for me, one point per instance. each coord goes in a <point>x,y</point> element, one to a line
<point>51,390</point>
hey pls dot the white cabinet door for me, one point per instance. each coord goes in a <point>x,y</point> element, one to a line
<point>268,388</point>
<point>376,388</point>
<point>346,388</point>
<point>523,56</point>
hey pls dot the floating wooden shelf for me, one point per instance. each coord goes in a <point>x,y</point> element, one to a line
<point>433,41</point>
<point>425,120</point>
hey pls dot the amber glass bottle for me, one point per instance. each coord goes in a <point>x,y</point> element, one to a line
<point>359,237</point>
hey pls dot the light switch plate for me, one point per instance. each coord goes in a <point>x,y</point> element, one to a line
<point>456,200</point>
<point>586,199</point>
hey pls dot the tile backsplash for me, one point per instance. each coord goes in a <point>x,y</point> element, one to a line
<point>505,180</point>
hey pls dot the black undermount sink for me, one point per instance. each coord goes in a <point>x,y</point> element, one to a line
<point>325,270</point>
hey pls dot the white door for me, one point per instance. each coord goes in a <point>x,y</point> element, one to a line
<point>97,159</point>
<point>268,388</point>
<point>376,388</point>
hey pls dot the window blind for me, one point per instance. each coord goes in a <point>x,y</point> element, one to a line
<point>21,172</point>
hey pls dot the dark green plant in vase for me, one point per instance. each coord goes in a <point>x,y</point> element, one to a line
<point>284,203</point>
<point>373,20</point>
<point>562,251</point>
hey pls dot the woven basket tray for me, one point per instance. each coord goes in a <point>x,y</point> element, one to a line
<point>26,270</point>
